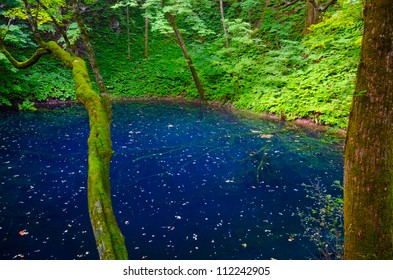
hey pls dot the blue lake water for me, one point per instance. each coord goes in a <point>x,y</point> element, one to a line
<point>187,183</point>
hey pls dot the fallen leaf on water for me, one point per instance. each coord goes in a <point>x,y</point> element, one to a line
<point>23,232</point>
<point>266,136</point>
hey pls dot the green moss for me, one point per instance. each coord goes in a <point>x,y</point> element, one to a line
<point>109,240</point>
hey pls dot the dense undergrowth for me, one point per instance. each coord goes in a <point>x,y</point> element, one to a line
<point>270,65</point>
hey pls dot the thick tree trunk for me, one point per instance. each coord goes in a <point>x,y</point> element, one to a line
<point>187,56</point>
<point>224,26</point>
<point>110,242</point>
<point>368,177</point>
<point>92,58</point>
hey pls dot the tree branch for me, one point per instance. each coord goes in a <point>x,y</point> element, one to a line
<point>323,9</point>
<point>7,28</point>
<point>33,24</point>
<point>24,64</point>
<point>287,4</point>
<point>57,25</point>
<point>316,7</point>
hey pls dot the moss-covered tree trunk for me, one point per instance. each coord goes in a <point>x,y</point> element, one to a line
<point>92,57</point>
<point>110,242</point>
<point>368,178</point>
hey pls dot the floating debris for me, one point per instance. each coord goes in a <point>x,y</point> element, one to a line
<point>266,136</point>
<point>290,239</point>
<point>244,245</point>
<point>19,256</point>
<point>23,232</point>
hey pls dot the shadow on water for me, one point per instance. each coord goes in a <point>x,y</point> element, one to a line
<point>188,182</point>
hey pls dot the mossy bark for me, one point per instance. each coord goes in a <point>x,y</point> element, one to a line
<point>92,58</point>
<point>368,174</point>
<point>23,64</point>
<point>110,241</point>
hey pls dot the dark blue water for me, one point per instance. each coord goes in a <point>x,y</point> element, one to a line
<point>187,183</point>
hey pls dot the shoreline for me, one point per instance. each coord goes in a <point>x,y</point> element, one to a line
<point>303,123</point>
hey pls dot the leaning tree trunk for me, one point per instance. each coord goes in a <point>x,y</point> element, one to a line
<point>368,177</point>
<point>109,240</point>
<point>186,54</point>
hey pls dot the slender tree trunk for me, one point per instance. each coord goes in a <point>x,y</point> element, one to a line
<point>368,172</point>
<point>128,34</point>
<point>146,52</point>
<point>312,16</point>
<point>187,56</point>
<point>224,26</point>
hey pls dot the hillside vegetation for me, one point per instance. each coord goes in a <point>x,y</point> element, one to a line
<point>270,63</point>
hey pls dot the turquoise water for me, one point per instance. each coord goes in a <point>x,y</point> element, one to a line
<point>187,183</point>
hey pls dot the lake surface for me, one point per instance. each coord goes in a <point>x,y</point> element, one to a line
<point>187,183</point>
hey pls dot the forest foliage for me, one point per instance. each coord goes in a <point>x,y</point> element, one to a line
<point>270,64</point>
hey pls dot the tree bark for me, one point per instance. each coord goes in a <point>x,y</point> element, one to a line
<point>109,240</point>
<point>314,11</point>
<point>146,52</point>
<point>187,56</point>
<point>312,16</point>
<point>24,64</point>
<point>128,34</point>
<point>92,58</point>
<point>224,26</point>
<point>368,165</point>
